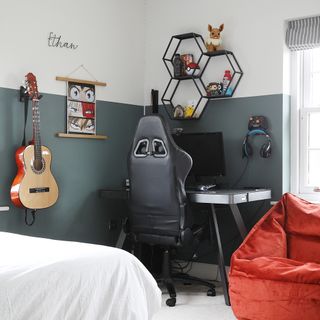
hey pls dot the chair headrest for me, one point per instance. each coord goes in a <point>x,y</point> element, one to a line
<point>152,138</point>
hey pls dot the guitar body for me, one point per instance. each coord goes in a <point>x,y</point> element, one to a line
<point>31,188</point>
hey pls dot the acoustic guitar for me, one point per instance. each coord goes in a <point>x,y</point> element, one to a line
<point>34,186</point>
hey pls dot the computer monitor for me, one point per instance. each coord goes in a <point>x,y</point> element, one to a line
<point>206,150</point>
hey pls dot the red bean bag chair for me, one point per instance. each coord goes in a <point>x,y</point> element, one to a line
<point>275,273</point>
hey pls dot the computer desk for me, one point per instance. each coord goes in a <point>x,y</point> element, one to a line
<point>231,198</point>
<point>220,196</point>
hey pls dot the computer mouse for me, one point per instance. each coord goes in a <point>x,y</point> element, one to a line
<point>207,187</point>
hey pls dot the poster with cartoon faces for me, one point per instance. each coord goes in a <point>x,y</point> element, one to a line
<point>81,108</point>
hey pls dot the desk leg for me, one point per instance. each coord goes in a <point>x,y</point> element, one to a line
<point>222,268</point>
<point>121,239</point>
<point>239,221</point>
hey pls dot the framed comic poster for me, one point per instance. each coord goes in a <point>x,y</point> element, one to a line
<point>81,108</point>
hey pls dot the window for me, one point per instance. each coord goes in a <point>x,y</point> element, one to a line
<point>306,123</point>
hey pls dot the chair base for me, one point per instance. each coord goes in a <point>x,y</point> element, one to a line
<point>168,280</point>
<point>171,302</point>
<point>187,279</point>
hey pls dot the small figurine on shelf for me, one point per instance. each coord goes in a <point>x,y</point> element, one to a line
<point>227,90</point>
<point>214,89</point>
<point>186,59</point>
<point>189,109</point>
<point>214,41</point>
<point>178,111</point>
<point>192,69</point>
<point>178,66</point>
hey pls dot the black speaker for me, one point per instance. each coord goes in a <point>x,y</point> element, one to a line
<point>154,101</point>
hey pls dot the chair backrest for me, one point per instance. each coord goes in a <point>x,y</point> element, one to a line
<point>157,171</point>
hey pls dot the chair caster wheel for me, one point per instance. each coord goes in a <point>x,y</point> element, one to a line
<point>171,302</point>
<point>211,293</point>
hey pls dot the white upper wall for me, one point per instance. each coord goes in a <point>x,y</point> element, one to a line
<point>110,35</point>
<point>122,42</point>
<point>254,31</point>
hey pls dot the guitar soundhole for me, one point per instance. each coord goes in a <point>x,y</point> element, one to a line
<point>38,166</point>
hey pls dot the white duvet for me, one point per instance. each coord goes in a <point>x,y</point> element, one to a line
<point>43,279</point>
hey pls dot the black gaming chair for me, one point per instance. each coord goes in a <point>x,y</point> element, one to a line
<point>159,214</point>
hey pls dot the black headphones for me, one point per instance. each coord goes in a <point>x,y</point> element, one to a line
<point>265,150</point>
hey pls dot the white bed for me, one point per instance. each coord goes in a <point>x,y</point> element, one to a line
<point>60,280</point>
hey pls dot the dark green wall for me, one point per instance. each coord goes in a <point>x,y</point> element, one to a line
<point>80,166</point>
<point>231,117</point>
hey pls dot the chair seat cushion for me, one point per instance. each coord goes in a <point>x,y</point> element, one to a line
<point>275,273</point>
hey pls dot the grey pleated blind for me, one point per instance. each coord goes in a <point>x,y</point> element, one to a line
<point>303,34</point>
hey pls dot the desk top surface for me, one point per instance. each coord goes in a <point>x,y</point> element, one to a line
<point>229,196</point>
<point>217,196</point>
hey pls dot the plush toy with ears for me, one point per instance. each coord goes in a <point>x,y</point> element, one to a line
<point>213,42</point>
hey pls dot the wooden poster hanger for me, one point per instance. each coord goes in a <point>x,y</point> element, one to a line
<point>90,82</point>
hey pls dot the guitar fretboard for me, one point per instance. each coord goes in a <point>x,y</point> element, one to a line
<point>36,130</point>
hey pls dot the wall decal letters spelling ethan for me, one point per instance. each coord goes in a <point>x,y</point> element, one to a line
<point>55,41</point>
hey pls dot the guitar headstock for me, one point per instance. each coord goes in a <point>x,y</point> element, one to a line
<point>31,86</point>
